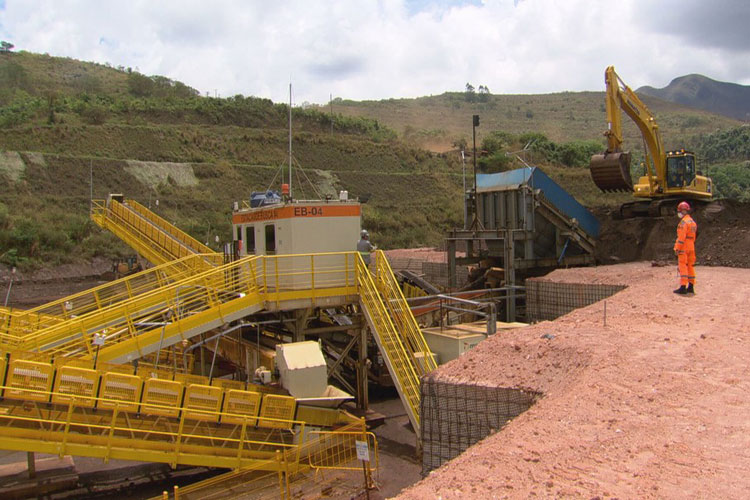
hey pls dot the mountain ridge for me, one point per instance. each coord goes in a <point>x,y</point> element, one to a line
<point>701,92</point>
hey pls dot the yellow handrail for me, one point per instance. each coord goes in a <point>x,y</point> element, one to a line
<point>174,231</point>
<point>20,323</point>
<point>200,302</point>
<point>401,314</point>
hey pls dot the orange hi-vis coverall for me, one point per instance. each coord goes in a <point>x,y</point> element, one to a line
<point>685,249</point>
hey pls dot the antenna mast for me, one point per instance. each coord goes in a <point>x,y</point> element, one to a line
<point>290,140</point>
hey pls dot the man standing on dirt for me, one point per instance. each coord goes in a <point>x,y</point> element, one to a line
<point>364,247</point>
<point>684,248</point>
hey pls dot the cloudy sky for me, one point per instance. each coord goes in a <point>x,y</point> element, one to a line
<point>374,49</point>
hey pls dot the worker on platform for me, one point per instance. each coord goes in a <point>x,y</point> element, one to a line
<point>684,248</point>
<point>364,247</point>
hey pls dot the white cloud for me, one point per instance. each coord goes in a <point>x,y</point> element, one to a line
<point>391,48</point>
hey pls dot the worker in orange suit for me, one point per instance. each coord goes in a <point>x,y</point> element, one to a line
<point>684,248</point>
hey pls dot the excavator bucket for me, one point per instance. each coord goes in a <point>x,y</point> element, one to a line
<point>611,171</point>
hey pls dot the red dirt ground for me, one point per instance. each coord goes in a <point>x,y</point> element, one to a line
<point>653,405</point>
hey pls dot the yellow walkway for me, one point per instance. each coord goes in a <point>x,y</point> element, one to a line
<point>182,309</point>
<point>14,324</point>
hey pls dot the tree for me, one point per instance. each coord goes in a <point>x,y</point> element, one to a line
<point>140,85</point>
<point>484,93</point>
<point>6,46</point>
<point>470,95</point>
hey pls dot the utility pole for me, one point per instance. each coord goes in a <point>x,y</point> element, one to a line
<point>91,185</point>
<point>475,124</point>
<point>290,140</point>
<point>463,178</point>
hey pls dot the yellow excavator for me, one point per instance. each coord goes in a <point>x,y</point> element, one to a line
<point>670,176</point>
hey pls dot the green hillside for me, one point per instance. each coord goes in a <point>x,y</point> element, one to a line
<point>440,122</point>
<point>64,122</point>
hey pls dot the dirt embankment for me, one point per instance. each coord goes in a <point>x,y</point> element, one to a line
<point>651,404</point>
<point>723,236</point>
<point>45,285</point>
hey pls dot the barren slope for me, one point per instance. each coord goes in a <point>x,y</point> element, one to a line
<point>653,405</point>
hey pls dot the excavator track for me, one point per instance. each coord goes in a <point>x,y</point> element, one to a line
<point>611,172</point>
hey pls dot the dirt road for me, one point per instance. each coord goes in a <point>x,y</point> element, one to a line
<point>653,405</point>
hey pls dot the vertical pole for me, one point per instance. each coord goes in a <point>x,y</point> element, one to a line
<point>474,125</point>
<point>281,474</point>
<point>367,482</point>
<point>463,194</point>
<point>10,285</point>
<point>96,356</point>
<point>290,140</point>
<point>247,364</point>
<point>362,389</point>
<point>451,249</point>
<point>31,461</point>
<point>213,361</point>
<point>161,341</point>
<point>331,101</point>
<point>202,352</point>
<point>91,185</point>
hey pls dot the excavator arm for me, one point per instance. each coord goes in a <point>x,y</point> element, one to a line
<point>611,169</point>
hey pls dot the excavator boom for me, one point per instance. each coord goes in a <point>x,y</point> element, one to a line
<point>669,175</point>
<point>611,169</point>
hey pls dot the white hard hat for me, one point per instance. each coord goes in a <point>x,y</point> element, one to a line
<point>364,233</point>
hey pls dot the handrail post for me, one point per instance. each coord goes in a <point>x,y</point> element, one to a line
<point>68,417</point>
<point>179,440</point>
<point>241,444</point>
<point>312,275</point>
<point>278,468</point>
<point>111,431</point>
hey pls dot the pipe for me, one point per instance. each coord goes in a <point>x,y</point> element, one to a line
<point>471,311</point>
<point>507,288</point>
<point>213,361</point>
<point>217,336</point>
<point>457,299</point>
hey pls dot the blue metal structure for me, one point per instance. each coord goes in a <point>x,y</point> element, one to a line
<point>553,192</point>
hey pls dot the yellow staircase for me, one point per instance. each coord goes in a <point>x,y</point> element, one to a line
<point>402,317</point>
<point>396,332</point>
<point>68,407</point>
<point>151,236</point>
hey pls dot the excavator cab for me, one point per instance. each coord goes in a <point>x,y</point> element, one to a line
<point>680,168</point>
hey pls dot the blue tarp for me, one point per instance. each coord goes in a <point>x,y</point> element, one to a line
<point>536,179</point>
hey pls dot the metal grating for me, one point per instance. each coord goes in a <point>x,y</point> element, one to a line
<point>455,416</point>
<point>546,300</point>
